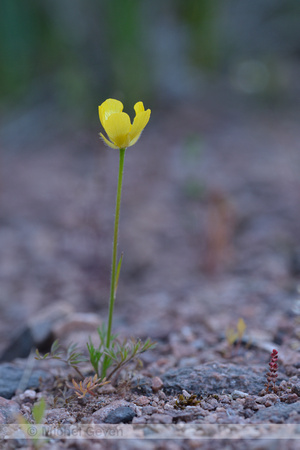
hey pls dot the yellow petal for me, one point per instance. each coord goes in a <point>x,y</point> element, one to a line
<point>117,127</point>
<point>107,142</point>
<point>134,141</point>
<point>110,106</point>
<point>139,123</point>
<point>139,107</point>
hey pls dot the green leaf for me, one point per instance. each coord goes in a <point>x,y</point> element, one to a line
<point>55,346</point>
<point>118,273</point>
<point>95,356</point>
<point>108,363</point>
<point>38,411</point>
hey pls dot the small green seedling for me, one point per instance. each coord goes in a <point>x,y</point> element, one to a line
<point>33,431</point>
<point>117,356</point>
<point>72,357</point>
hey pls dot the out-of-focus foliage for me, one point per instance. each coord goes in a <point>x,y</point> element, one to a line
<point>202,20</point>
<point>79,50</point>
<point>128,61</point>
<point>28,45</point>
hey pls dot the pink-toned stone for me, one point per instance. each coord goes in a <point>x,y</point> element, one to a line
<point>268,398</point>
<point>157,384</point>
<point>139,420</point>
<point>107,389</point>
<point>59,415</point>
<point>161,418</point>
<point>76,328</point>
<point>289,398</point>
<point>42,323</point>
<point>142,401</point>
<point>8,411</point>
<point>77,322</point>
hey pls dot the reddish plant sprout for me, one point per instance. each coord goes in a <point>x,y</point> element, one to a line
<point>272,374</point>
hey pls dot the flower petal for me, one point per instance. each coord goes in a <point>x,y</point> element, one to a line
<point>134,140</point>
<point>139,123</point>
<point>107,142</point>
<point>139,107</point>
<point>110,106</point>
<point>117,127</point>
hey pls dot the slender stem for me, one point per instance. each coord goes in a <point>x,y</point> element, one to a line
<point>78,371</point>
<point>114,259</point>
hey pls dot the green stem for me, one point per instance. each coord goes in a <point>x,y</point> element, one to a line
<point>114,259</point>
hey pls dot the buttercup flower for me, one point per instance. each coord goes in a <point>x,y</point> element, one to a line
<point>121,133</point>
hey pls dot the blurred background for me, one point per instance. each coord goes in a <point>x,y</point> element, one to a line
<point>71,55</point>
<point>211,188</point>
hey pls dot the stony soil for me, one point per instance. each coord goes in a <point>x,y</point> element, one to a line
<point>210,232</point>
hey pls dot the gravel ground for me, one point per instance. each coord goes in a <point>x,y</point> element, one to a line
<point>210,233</point>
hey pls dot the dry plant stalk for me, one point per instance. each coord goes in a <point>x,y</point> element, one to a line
<point>87,386</point>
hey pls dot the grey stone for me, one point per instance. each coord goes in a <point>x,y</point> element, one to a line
<point>123,414</point>
<point>142,386</point>
<point>37,333</point>
<point>296,389</point>
<point>238,394</point>
<point>184,416</point>
<point>161,418</point>
<point>8,411</point>
<point>20,345</point>
<point>278,413</point>
<point>11,376</point>
<point>43,323</point>
<point>214,378</point>
<point>148,410</point>
<point>101,414</point>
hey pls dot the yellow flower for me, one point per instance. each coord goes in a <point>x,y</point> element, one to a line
<point>121,133</point>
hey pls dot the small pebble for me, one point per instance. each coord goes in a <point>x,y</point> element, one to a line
<point>212,418</point>
<point>138,411</point>
<point>268,403</point>
<point>220,409</point>
<point>224,399</point>
<point>251,403</point>
<point>169,407</point>
<point>296,389</point>
<point>26,409</point>
<point>213,402</point>
<point>157,384</point>
<point>139,420</point>
<point>268,399</point>
<point>122,414</point>
<point>186,394</point>
<point>239,394</point>
<point>289,398</point>
<point>8,411</point>
<point>161,418</point>
<point>29,393</point>
<point>162,395</point>
<point>149,410</point>
<point>107,389</point>
<point>142,401</point>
